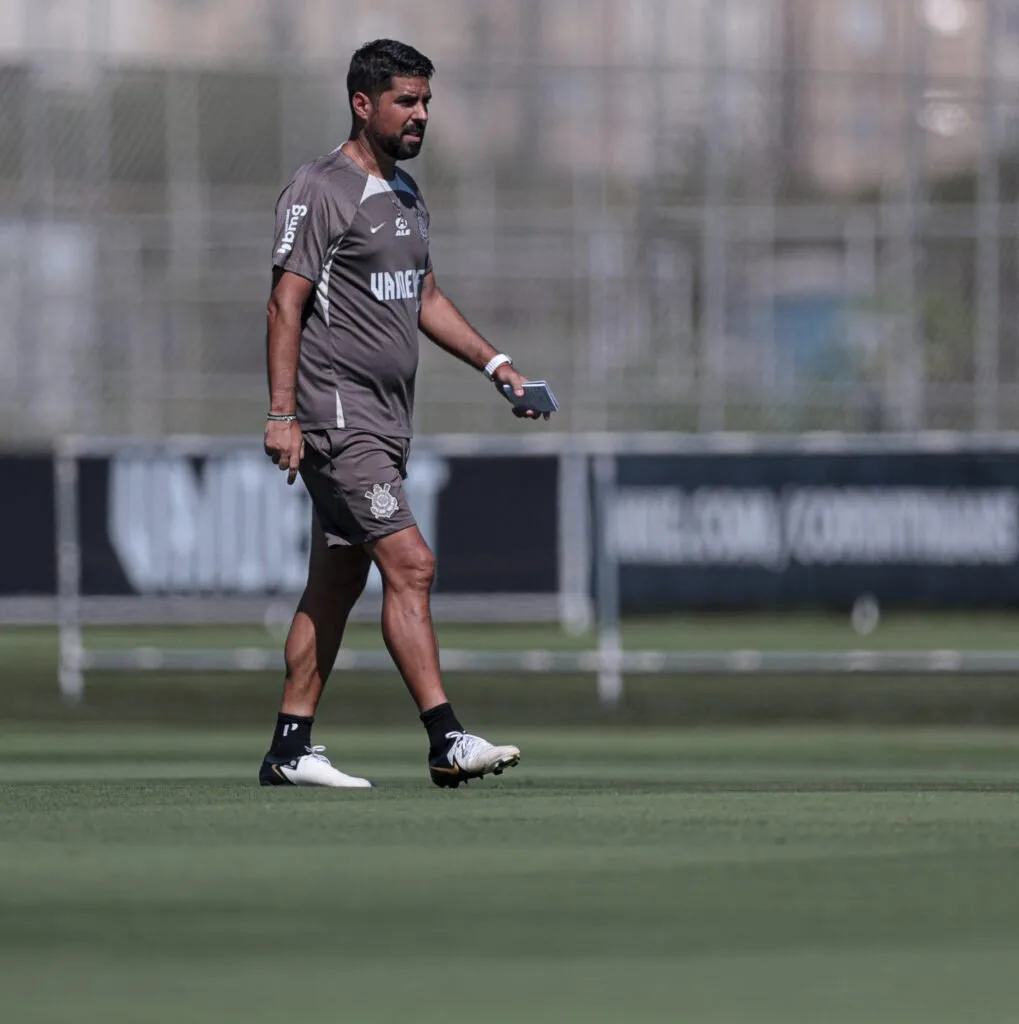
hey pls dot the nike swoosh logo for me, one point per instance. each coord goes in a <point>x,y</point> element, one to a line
<point>455,770</point>
<point>276,769</point>
<point>378,228</point>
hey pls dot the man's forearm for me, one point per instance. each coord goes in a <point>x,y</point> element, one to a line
<point>283,345</point>
<point>444,324</point>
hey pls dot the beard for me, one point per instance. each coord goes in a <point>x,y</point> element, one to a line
<point>404,145</point>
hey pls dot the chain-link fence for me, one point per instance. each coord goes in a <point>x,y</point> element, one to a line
<point>738,214</point>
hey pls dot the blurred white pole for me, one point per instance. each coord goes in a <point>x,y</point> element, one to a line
<point>988,312</point>
<point>574,542</point>
<point>714,228</point>
<point>71,676</point>
<point>610,679</point>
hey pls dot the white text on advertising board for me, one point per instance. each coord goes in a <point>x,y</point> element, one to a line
<point>816,526</point>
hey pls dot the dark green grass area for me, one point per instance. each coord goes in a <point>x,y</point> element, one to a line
<point>626,875</point>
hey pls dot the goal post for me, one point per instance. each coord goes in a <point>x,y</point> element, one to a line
<point>179,585</point>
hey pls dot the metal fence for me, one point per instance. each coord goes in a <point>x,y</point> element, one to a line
<point>737,214</point>
<point>173,531</point>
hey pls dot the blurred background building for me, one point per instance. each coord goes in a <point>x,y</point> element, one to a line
<point>738,214</point>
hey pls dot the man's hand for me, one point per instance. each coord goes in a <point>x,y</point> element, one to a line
<point>505,374</point>
<point>284,444</point>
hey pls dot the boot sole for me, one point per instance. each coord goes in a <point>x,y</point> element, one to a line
<point>497,767</point>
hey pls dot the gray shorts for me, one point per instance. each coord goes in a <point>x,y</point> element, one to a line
<point>355,480</point>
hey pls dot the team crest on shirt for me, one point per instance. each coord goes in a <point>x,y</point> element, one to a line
<point>384,504</point>
<point>422,226</point>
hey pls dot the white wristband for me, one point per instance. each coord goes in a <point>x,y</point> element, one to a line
<point>495,362</point>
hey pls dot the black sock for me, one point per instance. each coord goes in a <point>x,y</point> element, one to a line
<point>438,721</point>
<point>292,735</point>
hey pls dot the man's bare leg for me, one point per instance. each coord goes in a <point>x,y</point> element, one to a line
<point>336,578</point>
<point>408,568</point>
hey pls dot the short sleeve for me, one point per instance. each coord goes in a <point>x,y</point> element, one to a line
<point>304,226</point>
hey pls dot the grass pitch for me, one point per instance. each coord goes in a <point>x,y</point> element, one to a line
<point>696,876</point>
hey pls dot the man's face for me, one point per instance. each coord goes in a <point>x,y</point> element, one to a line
<point>399,117</point>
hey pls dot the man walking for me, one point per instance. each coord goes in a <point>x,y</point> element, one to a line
<point>352,285</point>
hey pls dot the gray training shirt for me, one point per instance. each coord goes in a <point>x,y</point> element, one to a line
<point>364,242</point>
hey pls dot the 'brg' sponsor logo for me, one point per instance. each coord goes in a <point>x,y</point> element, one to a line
<point>294,217</point>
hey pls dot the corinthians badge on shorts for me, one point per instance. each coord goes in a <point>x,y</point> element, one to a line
<point>383,503</point>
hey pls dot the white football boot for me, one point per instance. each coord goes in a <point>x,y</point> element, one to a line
<point>310,769</point>
<point>469,757</point>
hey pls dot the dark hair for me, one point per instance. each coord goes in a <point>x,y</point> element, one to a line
<point>374,66</point>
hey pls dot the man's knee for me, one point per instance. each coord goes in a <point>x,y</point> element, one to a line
<point>413,570</point>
